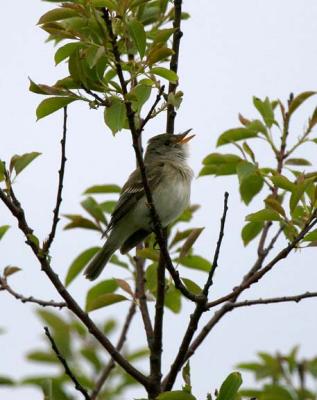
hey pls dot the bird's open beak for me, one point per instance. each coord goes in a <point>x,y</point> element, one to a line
<point>183,138</point>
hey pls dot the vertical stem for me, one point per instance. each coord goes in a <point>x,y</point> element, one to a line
<point>156,351</point>
<point>171,113</point>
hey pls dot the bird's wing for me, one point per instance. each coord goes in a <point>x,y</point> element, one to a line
<point>133,191</point>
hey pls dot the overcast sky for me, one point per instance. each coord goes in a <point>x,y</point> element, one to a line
<point>231,50</point>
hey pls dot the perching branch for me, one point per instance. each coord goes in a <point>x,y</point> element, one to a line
<point>108,368</point>
<point>72,305</point>
<point>5,286</point>
<point>199,310</point>
<point>47,244</point>
<point>68,371</point>
<point>135,138</point>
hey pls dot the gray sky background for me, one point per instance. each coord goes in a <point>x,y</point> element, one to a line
<point>231,50</point>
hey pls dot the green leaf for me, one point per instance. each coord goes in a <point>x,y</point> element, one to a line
<point>298,100</point>
<point>6,381</point>
<point>10,270</point>
<point>298,193</point>
<point>103,189</point>
<point>2,171</point>
<point>230,387</point>
<point>235,135</point>
<point>56,15</point>
<point>90,354</point>
<point>105,3</point>
<point>189,242</point>
<point>162,35</point>
<point>142,94</point>
<point>275,204</point>
<point>264,215</point>
<point>265,109</point>
<point>159,54</point>
<point>105,287</point>
<point>65,51</point>
<point>220,164</point>
<point>52,104</point>
<point>3,230</point>
<point>138,35</point>
<point>191,286</point>
<point>176,395</point>
<point>147,253</point>
<point>77,221</point>
<point>115,115</point>
<point>104,300</point>
<point>283,183</point>
<point>196,262</point>
<point>116,261</point>
<point>311,236</point>
<point>251,182</point>
<point>273,392</point>
<point>108,206</point>
<point>94,209</point>
<point>173,299</point>
<point>297,161</point>
<point>250,231</point>
<point>53,320</point>
<point>165,73</point>
<point>42,357</point>
<point>79,264</point>
<point>21,162</point>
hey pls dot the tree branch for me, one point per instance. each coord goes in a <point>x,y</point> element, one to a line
<point>218,246</point>
<point>72,305</point>
<point>157,348</point>
<point>285,299</point>
<point>140,295</point>
<point>171,113</point>
<point>5,286</point>
<point>199,310</point>
<point>246,283</point>
<point>152,109</point>
<point>47,244</point>
<point>135,137</point>
<point>108,368</point>
<point>68,371</point>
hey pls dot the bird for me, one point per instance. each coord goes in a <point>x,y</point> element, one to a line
<point>169,178</point>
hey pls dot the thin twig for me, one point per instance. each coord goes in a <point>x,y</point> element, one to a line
<point>72,305</point>
<point>100,100</point>
<point>150,113</point>
<point>218,246</point>
<point>169,380</point>
<point>68,371</point>
<point>135,138</point>
<point>47,244</point>
<point>108,368</point>
<point>5,286</point>
<point>284,299</point>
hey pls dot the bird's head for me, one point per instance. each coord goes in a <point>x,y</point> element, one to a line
<point>167,146</point>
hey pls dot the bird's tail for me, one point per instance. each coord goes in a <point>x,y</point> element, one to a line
<point>98,263</point>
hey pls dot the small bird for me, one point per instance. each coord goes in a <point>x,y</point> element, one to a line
<point>169,178</point>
